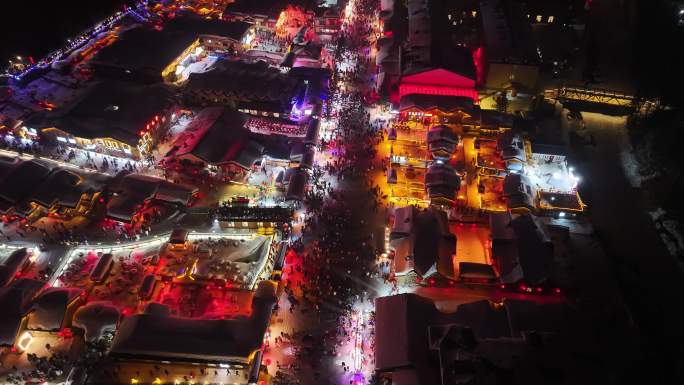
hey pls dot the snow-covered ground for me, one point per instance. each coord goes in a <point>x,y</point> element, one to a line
<point>553,176</point>
<point>203,65</point>
<point>669,230</point>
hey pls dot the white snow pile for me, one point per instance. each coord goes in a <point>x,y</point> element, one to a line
<point>669,232</point>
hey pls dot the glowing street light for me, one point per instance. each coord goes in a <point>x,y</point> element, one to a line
<point>25,341</point>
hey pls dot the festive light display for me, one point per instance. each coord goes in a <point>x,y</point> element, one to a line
<point>408,89</point>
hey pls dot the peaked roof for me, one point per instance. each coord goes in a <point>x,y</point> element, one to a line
<point>150,50</point>
<point>248,82</point>
<point>65,188</point>
<point>439,77</point>
<point>111,109</point>
<point>157,334</point>
<point>402,340</point>
<point>480,342</point>
<point>12,265</point>
<point>220,137</point>
<point>442,175</point>
<point>14,302</point>
<point>21,178</point>
<point>444,103</point>
<point>423,235</point>
<point>24,182</point>
<point>49,309</point>
<point>133,190</point>
<point>297,185</point>
<point>443,133</point>
<point>528,257</point>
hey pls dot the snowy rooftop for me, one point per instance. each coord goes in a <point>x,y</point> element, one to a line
<point>237,260</point>
<point>551,176</point>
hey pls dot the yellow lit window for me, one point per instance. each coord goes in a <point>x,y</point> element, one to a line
<point>539,18</point>
<point>550,19</point>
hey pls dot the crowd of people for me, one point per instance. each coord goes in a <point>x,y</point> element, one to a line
<point>264,126</point>
<point>83,158</point>
<point>45,368</point>
<point>269,41</point>
<point>335,261</point>
<point>98,161</point>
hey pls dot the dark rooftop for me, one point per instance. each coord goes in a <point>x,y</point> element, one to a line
<point>400,341</point>
<point>433,243</point>
<point>528,257</point>
<point>297,186</point>
<point>65,188</point>
<point>442,175</point>
<point>442,182</point>
<point>14,302</point>
<point>222,135</point>
<point>111,109</point>
<point>248,82</point>
<point>429,43</point>
<point>147,50</point>
<point>408,327</point>
<point>194,25</point>
<point>476,270</point>
<point>494,119</point>
<point>144,50</point>
<point>441,133</point>
<point>50,308</point>
<point>222,138</point>
<point>270,8</point>
<point>515,184</point>
<point>20,179</point>
<point>12,265</point>
<point>131,191</point>
<point>157,334</point>
<point>507,33</point>
<point>548,149</point>
<point>23,182</point>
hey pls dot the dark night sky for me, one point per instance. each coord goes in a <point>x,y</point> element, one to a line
<point>35,28</point>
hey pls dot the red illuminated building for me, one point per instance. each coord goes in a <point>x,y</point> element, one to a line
<point>417,57</point>
<point>437,81</point>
